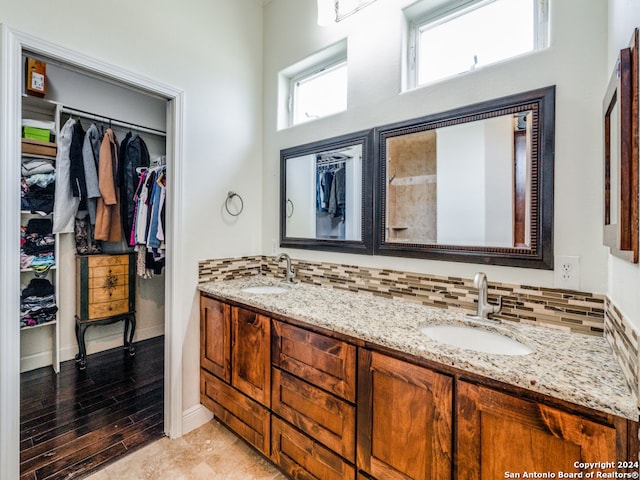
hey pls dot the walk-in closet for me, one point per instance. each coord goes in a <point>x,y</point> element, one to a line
<point>92,265</point>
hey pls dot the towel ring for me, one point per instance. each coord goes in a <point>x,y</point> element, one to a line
<point>292,208</point>
<point>230,195</point>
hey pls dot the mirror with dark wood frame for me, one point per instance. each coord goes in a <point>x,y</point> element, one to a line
<point>620,112</point>
<point>473,184</point>
<point>326,194</point>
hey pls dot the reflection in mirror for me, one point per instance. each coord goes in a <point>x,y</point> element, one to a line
<point>323,201</point>
<point>464,184</point>
<point>334,212</point>
<point>474,184</point>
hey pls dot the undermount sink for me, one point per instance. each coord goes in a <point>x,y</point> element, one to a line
<point>476,339</point>
<point>265,289</point>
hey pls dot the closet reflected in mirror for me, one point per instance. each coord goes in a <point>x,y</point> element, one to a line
<point>326,198</point>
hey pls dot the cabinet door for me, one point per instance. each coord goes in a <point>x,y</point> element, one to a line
<point>251,355</point>
<point>215,337</point>
<point>242,415</point>
<point>500,434</point>
<point>404,420</point>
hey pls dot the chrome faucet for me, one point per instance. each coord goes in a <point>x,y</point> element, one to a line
<point>289,272</point>
<point>484,307</point>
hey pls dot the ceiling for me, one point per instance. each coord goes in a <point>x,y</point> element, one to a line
<point>262,2</point>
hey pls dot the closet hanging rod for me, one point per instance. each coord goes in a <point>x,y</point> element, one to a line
<point>322,163</point>
<point>113,121</point>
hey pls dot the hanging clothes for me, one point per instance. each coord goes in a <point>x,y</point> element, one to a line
<point>149,222</point>
<point>337,196</point>
<point>136,156</point>
<point>65,205</point>
<point>108,225</point>
<point>76,170</point>
<point>90,160</point>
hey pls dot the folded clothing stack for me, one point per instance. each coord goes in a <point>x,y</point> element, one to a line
<point>38,184</point>
<point>37,303</point>
<point>37,244</point>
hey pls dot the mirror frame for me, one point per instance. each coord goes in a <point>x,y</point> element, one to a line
<point>540,253</point>
<point>621,234</point>
<point>365,244</point>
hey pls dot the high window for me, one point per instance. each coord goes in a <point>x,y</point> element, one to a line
<point>319,93</point>
<point>460,36</point>
<point>314,87</point>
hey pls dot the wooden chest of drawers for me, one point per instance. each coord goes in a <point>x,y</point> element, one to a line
<point>105,293</point>
<point>105,286</point>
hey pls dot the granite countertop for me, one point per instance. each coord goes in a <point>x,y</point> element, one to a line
<point>577,368</point>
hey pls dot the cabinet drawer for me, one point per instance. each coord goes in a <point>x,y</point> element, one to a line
<point>107,282</point>
<point>318,359</point>
<point>247,418</point>
<point>108,309</point>
<point>107,260</point>
<point>302,458</point>
<point>100,295</point>
<point>108,271</point>
<point>323,416</point>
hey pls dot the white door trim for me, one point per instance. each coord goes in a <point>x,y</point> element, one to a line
<point>12,44</point>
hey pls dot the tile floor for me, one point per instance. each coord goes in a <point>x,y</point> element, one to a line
<point>210,452</point>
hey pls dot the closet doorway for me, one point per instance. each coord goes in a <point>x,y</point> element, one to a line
<point>158,304</point>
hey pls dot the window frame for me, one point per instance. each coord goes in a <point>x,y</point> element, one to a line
<point>417,19</point>
<point>316,70</point>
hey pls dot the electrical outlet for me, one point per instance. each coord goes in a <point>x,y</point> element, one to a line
<point>567,272</point>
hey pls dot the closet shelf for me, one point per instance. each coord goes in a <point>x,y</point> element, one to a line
<point>35,214</point>
<point>37,147</point>
<point>26,270</point>
<point>52,322</point>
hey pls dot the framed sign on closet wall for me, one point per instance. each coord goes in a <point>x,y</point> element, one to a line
<point>13,44</point>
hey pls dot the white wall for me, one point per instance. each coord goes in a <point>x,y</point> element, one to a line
<point>624,277</point>
<point>461,168</point>
<point>212,49</point>
<point>574,62</point>
<point>499,157</point>
<point>301,183</point>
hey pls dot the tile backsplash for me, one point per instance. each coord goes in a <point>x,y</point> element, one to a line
<point>623,338</point>
<point>567,310</point>
<point>579,312</point>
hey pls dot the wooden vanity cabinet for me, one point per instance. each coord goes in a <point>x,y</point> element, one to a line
<point>313,395</point>
<point>321,408</point>
<point>235,374</point>
<point>500,433</point>
<point>404,419</point>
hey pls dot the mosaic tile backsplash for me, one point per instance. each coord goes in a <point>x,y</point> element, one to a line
<point>623,338</point>
<point>577,312</point>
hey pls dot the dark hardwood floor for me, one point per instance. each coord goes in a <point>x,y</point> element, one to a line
<point>77,421</point>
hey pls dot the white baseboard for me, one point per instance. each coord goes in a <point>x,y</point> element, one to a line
<point>195,417</point>
<point>37,360</point>
<point>45,358</point>
<point>111,341</point>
